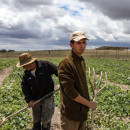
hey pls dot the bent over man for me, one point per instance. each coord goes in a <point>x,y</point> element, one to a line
<point>75,102</point>
<point>36,83</point>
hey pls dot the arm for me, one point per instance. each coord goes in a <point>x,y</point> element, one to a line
<point>26,89</point>
<point>67,79</point>
<point>85,102</point>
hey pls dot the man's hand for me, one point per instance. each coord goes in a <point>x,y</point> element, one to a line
<point>82,100</point>
<point>93,105</point>
<point>30,104</point>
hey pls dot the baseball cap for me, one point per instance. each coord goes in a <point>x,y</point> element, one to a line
<point>77,35</point>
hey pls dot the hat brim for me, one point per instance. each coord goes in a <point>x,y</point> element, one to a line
<point>29,62</point>
<point>79,38</point>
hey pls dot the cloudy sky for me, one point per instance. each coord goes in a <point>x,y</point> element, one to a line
<point>47,24</point>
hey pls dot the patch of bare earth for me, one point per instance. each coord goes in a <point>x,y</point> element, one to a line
<point>4,73</point>
<point>123,87</point>
<point>55,123</point>
<point>127,119</point>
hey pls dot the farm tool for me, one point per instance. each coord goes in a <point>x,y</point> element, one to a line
<point>44,97</point>
<point>95,90</point>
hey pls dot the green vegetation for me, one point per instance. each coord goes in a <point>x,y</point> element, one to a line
<point>11,101</point>
<point>3,50</point>
<point>118,70</point>
<point>113,107</point>
<point>113,103</point>
<point>6,63</point>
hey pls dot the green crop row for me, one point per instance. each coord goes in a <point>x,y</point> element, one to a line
<point>12,100</point>
<point>113,103</point>
<point>6,63</point>
<point>113,107</point>
<point>118,71</point>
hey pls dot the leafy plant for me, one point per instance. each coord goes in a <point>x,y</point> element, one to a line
<point>113,103</point>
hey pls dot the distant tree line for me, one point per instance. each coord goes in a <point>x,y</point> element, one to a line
<point>4,50</point>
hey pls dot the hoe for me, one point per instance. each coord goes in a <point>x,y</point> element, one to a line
<point>44,97</point>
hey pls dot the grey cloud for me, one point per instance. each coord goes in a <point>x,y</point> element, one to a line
<point>20,34</point>
<point>20,31</point>
<point>35,24</point>
<point>66,28</point>
<point>100,42</point>
<point>27,3</point>
<point>115,9</point>
<point>34,2</point>
<point>104,26</point>
<point>126,26</point>
<point>50,13</point>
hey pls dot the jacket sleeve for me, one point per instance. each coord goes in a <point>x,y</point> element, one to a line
<point>53,69</point>
<point>26,88</point>
<point>67,79</point>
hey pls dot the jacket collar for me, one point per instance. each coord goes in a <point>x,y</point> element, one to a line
<point>73,56</point>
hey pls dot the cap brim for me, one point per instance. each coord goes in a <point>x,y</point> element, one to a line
<point>79,38</point>
<point>21,65</point>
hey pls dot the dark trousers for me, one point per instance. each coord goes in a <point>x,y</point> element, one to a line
<point>38,126</point>
<point>42,114</point>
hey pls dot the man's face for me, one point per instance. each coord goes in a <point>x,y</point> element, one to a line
<point>31,66</point>
<point>79,47</point>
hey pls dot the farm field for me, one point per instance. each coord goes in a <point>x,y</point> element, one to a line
<point>6,63</point>
<point>115,54</point>
<point>113,110</point>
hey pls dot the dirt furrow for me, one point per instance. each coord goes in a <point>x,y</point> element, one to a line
<point>4,73</point>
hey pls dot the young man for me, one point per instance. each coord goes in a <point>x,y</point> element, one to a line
<point>75,101</point>
<point>36,83</point>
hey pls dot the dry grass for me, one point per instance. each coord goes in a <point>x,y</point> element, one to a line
<point>118,54</point>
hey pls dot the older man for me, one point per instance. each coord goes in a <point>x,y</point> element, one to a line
<point>36,83</point>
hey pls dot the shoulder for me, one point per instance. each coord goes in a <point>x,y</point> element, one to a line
<point>66,62</point>
<point>43,62</point>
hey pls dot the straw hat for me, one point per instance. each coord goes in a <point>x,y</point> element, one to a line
<point>25,59</point>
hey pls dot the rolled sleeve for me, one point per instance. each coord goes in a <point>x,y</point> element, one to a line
<point>67,79</point>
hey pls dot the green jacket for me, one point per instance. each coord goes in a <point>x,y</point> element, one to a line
<point>72,77</point>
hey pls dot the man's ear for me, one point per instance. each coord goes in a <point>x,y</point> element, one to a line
<point>70,44</point>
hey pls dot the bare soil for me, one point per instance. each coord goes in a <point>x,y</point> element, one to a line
<point>123,87</point>
<point>4,73</point>
<point>55,124</point>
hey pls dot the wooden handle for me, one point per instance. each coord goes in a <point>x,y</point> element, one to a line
<point>92,119</point>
